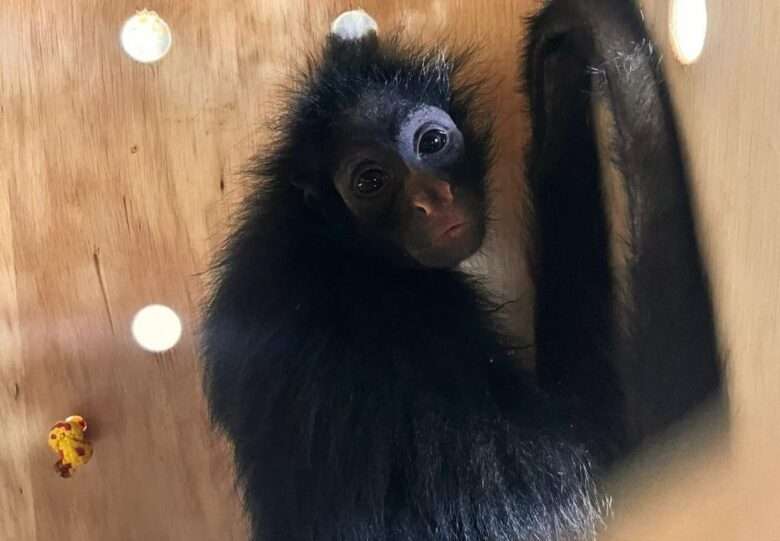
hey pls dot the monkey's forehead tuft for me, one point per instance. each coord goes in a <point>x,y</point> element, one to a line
<point>382,112</point>
<point>350,69</point>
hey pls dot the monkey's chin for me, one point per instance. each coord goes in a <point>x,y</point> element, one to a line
<point>451,248</point>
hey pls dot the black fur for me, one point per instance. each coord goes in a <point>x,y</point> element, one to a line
<point>369,400</point>
<point>663,345</point>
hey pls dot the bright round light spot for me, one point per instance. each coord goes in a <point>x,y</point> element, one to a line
<point>688,26</point>
<point>353,25</point>
<point>145,37</point>
<point>156,328</point>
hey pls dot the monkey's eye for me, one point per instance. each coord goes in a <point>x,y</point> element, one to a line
<point>369,181</point>
<point>431,141</point>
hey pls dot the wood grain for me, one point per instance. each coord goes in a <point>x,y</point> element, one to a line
<point>117,181</point>
<point>728,105</point>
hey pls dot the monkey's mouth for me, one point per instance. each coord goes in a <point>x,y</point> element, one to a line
<point>452,243</point>
<point>453,231</point>
<point>452,227</point>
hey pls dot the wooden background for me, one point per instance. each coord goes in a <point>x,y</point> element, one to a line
<point>117,180</point>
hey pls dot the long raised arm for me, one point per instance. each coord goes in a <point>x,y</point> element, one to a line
<point>663,342</point>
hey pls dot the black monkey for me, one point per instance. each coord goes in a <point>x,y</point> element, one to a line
<point>365,383</point>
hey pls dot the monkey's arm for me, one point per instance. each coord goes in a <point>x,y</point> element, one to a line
<point>664,341</point>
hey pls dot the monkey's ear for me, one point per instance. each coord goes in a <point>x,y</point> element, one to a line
<point>353,26</point>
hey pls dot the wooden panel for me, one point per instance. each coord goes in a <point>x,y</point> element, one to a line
<point>116,182</point>
<point>728,105</point>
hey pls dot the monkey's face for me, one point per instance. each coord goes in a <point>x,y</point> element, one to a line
<point>408,182</point>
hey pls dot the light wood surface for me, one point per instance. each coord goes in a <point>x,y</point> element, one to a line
<point>729,112</point>
<point>117,180</point>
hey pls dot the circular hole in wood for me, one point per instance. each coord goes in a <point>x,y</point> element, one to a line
<point>688,28</point>
<point>146,37</point>
<point>156,328</point>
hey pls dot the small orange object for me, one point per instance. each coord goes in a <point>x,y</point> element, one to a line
<point>66,438</point>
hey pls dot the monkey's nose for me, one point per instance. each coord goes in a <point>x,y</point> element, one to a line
<point>432,196</point>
